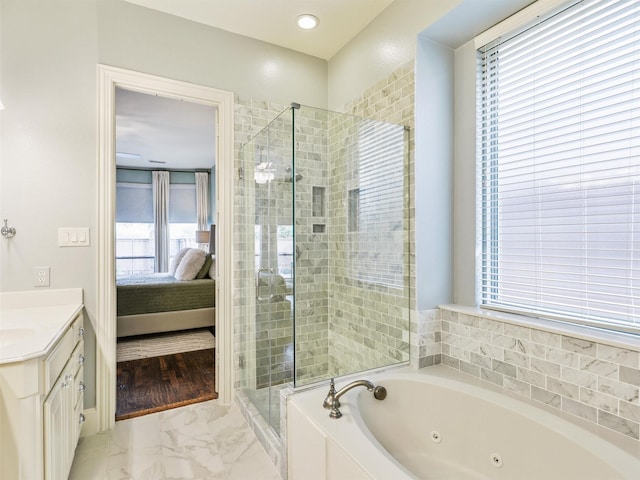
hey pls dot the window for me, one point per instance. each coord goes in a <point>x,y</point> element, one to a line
<point>134,229</point>
<point>135,245</point>
<point>134,249</point>
<point>182,217</point>
<point>559,166</point>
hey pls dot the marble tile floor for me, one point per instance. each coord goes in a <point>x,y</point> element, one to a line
<point>206,441</point>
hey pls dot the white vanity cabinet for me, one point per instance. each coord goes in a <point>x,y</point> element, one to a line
<point>62,409</point>
<point>41,398</point>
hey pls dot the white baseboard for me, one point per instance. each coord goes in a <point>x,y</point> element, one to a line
<point>90,425</point>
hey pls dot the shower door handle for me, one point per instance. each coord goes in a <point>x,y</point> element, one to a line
<point>271,295</point>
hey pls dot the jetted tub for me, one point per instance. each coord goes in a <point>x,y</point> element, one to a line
<point>439,424</point>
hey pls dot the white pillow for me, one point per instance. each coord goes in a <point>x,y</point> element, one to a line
<point>190,264</point>
<point>175,261</point>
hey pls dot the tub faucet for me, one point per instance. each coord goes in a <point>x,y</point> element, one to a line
<point>332,400</point>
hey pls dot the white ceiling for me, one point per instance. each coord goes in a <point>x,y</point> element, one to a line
<point>152,129</point>
<point>274,21</point>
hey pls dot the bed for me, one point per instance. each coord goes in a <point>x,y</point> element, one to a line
<point>159,302</point>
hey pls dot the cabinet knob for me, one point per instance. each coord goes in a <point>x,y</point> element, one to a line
<point>82,387</point>
<point>81,358</point>
<point>81,419</point>
<point>81,332</point>
<point>67,378</point>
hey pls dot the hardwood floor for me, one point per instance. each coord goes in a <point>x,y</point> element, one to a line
<point>159,383</point>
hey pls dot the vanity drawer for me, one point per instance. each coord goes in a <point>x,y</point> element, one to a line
<point>79,387</point>
<point>57,359</point>
<point>77,420</point>
<point>78,357</point>
<point>78,327</point>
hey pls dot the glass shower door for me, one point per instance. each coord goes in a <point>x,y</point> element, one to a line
<point>272,353</point>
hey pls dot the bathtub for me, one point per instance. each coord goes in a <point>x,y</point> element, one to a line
<point>439,424</point>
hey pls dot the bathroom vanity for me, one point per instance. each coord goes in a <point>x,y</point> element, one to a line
<point>41,382</point>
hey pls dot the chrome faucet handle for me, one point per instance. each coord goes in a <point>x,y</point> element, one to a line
<point>330,400</point>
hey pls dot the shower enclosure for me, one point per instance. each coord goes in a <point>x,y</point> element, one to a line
<point>325,251</point>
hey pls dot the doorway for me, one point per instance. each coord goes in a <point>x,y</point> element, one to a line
<point>165,320</point>
<point>108,79</point>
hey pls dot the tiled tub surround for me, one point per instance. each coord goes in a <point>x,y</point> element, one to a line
<point>425,339</point>
<point>598,381</point>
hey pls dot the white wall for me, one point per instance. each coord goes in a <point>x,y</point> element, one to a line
<point>48,164</point>
<point>386,44</point>
<point>137,38</point>
<point>47,169</point>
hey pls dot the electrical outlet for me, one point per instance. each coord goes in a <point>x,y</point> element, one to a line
<point>41,276</point>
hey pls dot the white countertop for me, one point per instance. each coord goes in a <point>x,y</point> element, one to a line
<point>30,324</point>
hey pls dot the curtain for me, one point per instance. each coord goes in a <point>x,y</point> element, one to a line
<point>202,200</point>
<point>161,219</point>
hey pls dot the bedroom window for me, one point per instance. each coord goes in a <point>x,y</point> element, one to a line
<point>135,245</point>
<point>134,249</point>
<point>182,217</point>
<point>559,167</point>
<point>134,228</point>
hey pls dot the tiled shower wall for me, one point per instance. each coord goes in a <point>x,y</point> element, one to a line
<point>342,325</point>
<point>312,248</point>
<point>592,380</point>
<point>368,322</point>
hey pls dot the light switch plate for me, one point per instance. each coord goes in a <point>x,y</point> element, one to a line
<point>73,237</point>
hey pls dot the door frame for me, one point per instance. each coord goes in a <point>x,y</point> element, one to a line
<point>105,327</point>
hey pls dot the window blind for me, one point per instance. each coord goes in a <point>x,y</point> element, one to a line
<point>134,203</point>
<point>559,166</point>
<point>182,203</point>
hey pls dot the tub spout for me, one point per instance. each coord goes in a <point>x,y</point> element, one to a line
<point>332,400</point>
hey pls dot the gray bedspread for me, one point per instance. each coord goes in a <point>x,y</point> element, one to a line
<point>161,292</point>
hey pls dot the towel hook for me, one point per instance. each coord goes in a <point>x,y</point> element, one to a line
<point>6,231</point>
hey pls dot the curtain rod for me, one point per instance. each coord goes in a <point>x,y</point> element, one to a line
<point>164,169</point>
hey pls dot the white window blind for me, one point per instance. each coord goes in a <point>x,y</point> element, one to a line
<point>559,171</point>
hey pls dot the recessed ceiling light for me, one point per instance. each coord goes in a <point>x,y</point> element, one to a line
<point>307,21</point>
